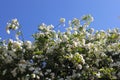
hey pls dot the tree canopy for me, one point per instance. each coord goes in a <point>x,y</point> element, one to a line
<point>79,53</point>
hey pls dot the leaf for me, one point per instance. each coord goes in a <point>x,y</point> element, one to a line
<point>38,52</point>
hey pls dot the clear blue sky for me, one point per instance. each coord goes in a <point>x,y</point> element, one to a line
<point>31,13</point>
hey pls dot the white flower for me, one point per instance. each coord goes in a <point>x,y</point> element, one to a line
<point>14,20</point>
<point>92,19</point>
<point>96,49</point>
<point>4,72</point>
<point>88,18</point>
<point>62,20</point>
<point>79,66</point>
<point>50,49</point>
<point>92,30</point>
<point>78,75</point>
<point>83,60</point>
<point>83,42</point>
<point>50,27</point>
<point>31,68</point>
<point>89,45</point>
<point>75,32</point>
<point>13,25</point>
<point>98,74</point>
<point>69,28</point>
<point>37,77</point>
<point>7,30</point>
<point>76,43</point>
<point>87,66</point>
<point>41,27</point>
<point>65,38</point>
<point>68,32</point>
<point>10,41</point>
<point>17,37</point>
<point>70,56</point>
<point>11,53</point>
<point>76,22</point>
<point>17,44</point>
<point>80,57</point>
<point>103,54</point>
<point>46,73</point>
<point>52,75</point>
<point>28,44</point>
<point>33,75</point>
<point>48,70</point>
<point>115,30</point>
<point>14,73</point>
<point>36,71</point>
<point>75,28</point>
<point>109,30</point>
<point>98,36</point>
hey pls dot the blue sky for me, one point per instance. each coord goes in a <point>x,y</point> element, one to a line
<point>31,13</point>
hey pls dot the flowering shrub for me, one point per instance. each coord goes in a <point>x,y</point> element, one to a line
<point>80,53</point>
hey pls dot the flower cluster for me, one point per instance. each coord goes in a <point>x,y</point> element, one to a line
<point>79,53</point>
<point>13,25</point>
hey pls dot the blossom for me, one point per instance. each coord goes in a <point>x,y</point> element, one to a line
<point>7,30</point>
<point>83,42</point>
<point>76,22</point>
<point>14,72</point>
<point>16,45</point>
<point>48,70</point>
<point>50,26</point>
<point>89,45</point>
<point>65,38</point>
<point>79,66</point>
<point>88,18</point>
<point>62,20</point>
<point>13,25</point>
<point>91,30</point>
<point>76,43</point>
<point>78,53</point>
<point>33,75</point>
<point>28,44</point>
<point>31,68</point>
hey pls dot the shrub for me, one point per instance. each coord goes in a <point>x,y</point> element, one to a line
<point>79,53</point>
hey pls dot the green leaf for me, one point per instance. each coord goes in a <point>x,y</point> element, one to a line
<point>38,52</point>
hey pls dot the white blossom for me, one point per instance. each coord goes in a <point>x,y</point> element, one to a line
<point>16,45</point>
<point>31,68</point>
<point>79,66</point>
<point>78,49</point>
<point>83,42</point>
<point>13,25</point>
<point>65,38</point>
<point>62,20</point>
<point>14,72</point>
<point>48,70</point>
<point>8,31</point>
<point>98,74</point>
<point>33,75</point>
<point>76,22</point>
<point>28,44</point>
